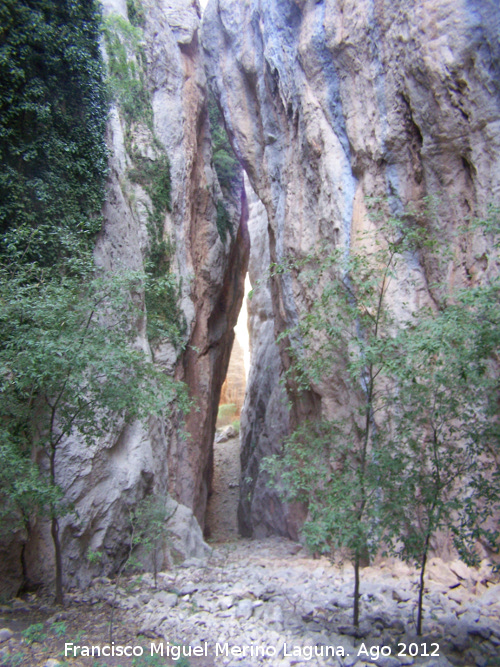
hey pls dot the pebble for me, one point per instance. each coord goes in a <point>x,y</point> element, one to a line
<point>165,599</point>
<point>265,593</point>
<point>5,634</point>
<point>244,609</point>
<point>491,596</point>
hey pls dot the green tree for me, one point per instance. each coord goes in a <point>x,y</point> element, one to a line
<point>335,465</point>
<point>68,365</point>
<point>24,493</point>
<point>69,368</point>
<point>419,450</point>
<point>445,420</point>
<point>149,520</point>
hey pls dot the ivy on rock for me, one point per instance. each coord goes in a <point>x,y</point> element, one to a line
<point>150,169</point>
<point>53,110</point>
<point>226,166</point>
<point>68,367</point>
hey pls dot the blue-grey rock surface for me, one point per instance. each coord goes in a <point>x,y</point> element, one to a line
<point>329,103</point>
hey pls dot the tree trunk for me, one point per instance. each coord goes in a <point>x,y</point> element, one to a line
<point>24,566</point>
<point>355,615</point>
<point>54,528</point>
<point>24,570</point>
<point>58,559</point>
<point>421,586</point>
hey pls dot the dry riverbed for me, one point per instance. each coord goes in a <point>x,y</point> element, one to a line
<point>266,603</point>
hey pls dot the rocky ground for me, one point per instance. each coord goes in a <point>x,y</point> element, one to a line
<point>222,520</point>
<point>269,603</point>
<point>262,602</point>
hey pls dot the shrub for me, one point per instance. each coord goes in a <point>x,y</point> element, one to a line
<point>225,414</point>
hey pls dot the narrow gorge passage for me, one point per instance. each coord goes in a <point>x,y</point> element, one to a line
<point>222,508</point>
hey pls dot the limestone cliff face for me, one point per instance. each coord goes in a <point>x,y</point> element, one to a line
<point>331,102</point>
<point>264,419</point>
<point>104,482</point>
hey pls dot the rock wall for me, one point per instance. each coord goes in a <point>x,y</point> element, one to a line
<point>264,420</point>
<point>328,103</point>
<point>104,482</point>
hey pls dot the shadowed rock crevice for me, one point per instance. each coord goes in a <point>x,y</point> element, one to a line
<point>343,106</point>
<point>210,349</point>
<point>265,415</point>
<point>328,106</point>
<point>105,482</point>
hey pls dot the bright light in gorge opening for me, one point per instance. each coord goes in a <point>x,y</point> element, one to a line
<point>233,389</point>
<point>241,328</point>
